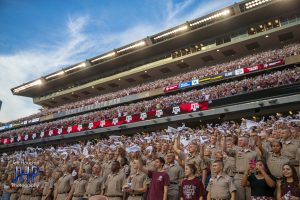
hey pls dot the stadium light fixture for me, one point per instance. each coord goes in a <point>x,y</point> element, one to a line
<point>177,30</point>
<point>215,16</point>
<point>254,3</point>
<point>81,65</point>
<point>109,55</point>
<point>34,83</point>
<point>54,75</point>
<point>136,45</point>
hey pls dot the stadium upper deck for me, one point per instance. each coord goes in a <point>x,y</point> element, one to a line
<point>233,31</point>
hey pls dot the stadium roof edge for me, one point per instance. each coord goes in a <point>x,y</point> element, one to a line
<point>143,43</point>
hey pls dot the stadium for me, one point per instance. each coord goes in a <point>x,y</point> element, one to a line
<point>223,76</point>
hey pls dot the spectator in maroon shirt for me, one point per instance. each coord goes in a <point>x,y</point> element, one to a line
<point>191,187</point>
<point>159,180</point>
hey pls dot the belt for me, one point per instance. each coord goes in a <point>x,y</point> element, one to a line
<point>78,195</point>
<point>136,195</point>
<point>219,199</point>
<point>37,195</point>
<point>63,193</point>
<point>238,172</point>
<point>112,196</point>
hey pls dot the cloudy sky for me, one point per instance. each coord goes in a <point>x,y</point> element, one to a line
<point>41,36</point>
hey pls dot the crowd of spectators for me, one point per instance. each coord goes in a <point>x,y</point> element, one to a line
<point>205,71</point>
<point>241,160</point>
<point>246,85</point>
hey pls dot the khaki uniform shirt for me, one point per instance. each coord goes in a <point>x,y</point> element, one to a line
<point>106,168</point>
<point>220,187</point>
<point>275,163</point>
<point>36,190</point>
<point>114,183</point>
<point>289,149</point>
<point>175,173</point>
<point>242,158</point>
<point>79,187</point>
<point>48,185</point>
<point>196,160</point>
<point>137,180</point>
<point>94,185</point>
<point>65,183</point>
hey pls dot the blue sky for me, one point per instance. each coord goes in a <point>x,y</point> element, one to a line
<point>41,36</point>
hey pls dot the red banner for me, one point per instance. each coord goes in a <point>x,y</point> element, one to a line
<point>275,63</point>
<point>171,88</point>
<point>184,108</point>
<point>253,68</point>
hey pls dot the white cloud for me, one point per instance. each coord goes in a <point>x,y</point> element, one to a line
<point>78,45</point>
<point>32,63</point>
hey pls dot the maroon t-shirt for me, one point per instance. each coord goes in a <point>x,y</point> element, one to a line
<point>159,180</point>
<point>191,189</point>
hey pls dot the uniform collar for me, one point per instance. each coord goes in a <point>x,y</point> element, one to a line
<point>288,142</point>
<point>219,176</point>
<point>246,150</point>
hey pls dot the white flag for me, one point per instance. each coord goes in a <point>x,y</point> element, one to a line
<point>50,133</point>
<point>158,113</point>
<point>176,110</point>
<point>128,118</point>
<point>115,121</point>
<point>143,116</point>
<point>79,127</point>
<point>102,123</point>
<point>91,125</point>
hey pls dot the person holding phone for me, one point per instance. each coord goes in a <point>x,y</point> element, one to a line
<point>260,180</point>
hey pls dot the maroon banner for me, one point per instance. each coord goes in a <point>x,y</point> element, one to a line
<point>184,108</point>
<point>253,68</point>
<point>274,63</point>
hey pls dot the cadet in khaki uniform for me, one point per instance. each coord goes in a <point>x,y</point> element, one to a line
<point>242,157</point>
<point>114,183</point>
<point>14,194</point>
<point>95,182</point>
<point>37,191</point>
<point>192,158</point>
<point>107,164</point>
<point>48,186</point>
<point>136,185</point>
<point>175,173</point>
<point>289,146</point>
<point>25,192</point>
<point>220,186</point>
<point>78,189</point>
<point>274,159</point>
<point>228,163</point>
<point>64,183</point>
